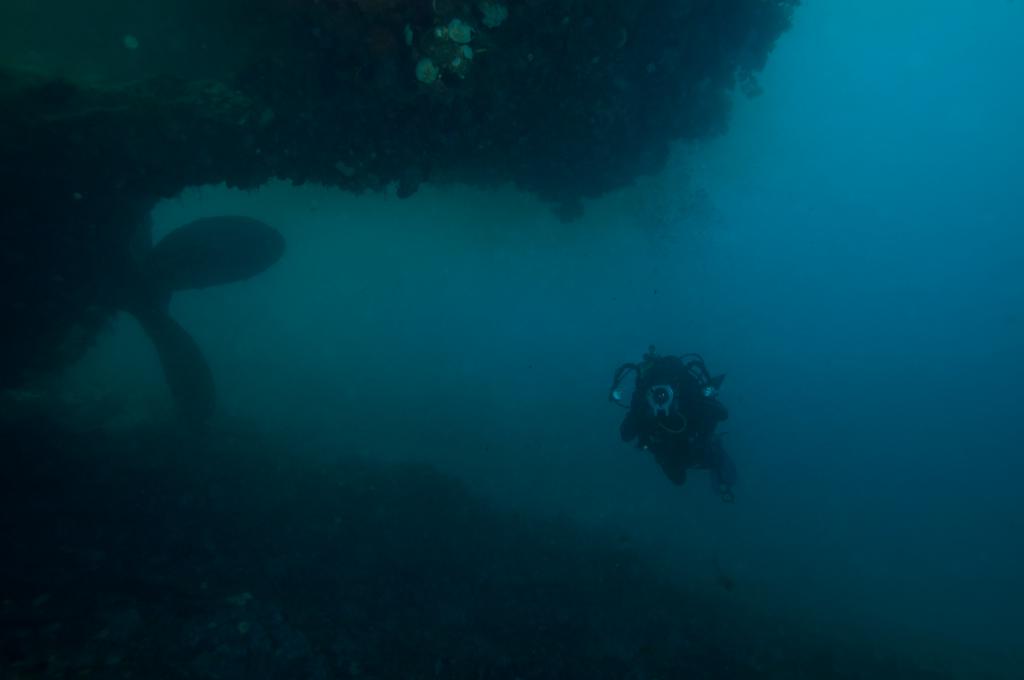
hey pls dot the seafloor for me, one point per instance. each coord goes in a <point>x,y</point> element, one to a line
<point>148,554</point>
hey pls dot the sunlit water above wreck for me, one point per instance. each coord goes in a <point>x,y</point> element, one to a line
<point>849,254</point>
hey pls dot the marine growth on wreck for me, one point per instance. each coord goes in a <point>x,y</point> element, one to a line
<point>107,107</point>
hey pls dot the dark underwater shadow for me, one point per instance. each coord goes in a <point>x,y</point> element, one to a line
<point>235,555</point>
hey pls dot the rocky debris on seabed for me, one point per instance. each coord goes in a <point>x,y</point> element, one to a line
<point>152,553</point>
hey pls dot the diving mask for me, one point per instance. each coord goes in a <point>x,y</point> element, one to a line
<point>660,398</point>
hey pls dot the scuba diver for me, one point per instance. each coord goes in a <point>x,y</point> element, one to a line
<point>673,413</point>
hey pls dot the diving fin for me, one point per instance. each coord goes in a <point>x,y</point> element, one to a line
<point>185,369</point>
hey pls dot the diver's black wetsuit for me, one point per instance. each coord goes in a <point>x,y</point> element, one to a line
<point>674,413</point>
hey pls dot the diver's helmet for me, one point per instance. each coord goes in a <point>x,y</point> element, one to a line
<point>660,398</point>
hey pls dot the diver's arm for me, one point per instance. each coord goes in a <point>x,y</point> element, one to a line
<point>714,410</point>
<point>628,429</point>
